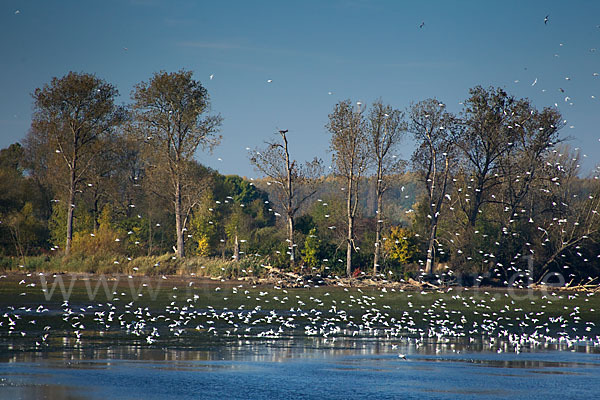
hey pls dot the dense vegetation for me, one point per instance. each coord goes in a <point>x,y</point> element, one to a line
<point>493,191</point>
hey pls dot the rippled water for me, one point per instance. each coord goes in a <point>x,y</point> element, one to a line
<point>196,339</point>
<point>312,368</point>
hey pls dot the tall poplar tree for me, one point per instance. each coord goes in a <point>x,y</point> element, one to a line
<point>385,130</point>
<point>349,145</point>
<point>170,119</point>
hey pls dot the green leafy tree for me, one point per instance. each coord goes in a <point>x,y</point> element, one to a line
<point>107,239</point>
<point>71,116</point>
<point>16,191</point>
<point>170,119</point>
<point>25,228</point>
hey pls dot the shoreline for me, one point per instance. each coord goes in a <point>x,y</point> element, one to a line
<point>308,282</point>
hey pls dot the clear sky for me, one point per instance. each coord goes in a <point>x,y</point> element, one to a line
<point>362,50</point>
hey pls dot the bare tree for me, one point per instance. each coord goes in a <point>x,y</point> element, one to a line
<point>503,144</point>
<point>349,145</point>
<point>169,109</point>
<point>434,159</point>
<point>568,214</point>
<point>295,184</point>
<point>488,135</point>
<point>522,169</point>
<point>71,116</point>
<point>385,129</point>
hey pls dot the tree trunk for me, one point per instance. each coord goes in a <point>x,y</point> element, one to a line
<point>70,210</point>
<point>350,228</point>
<point>431,248</point>
<point>149,236</point>
<point>378,227</point>
<point>478,199</point>
<point>291,240</point>
<point>236,249</point>
<point>178,222</point>
<point>96,212</point>
<point>290,194</point>
<point>14,230</point>
<point>349,247</point>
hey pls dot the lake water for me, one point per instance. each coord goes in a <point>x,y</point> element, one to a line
<point>239,341</point>
<point>303,369</point>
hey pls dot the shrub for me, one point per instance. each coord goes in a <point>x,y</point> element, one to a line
<point>312,249</point>
<point>401,245</point>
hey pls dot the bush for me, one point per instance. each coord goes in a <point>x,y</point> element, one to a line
<point>107,240</point>
<point>312,249</point>
<point>401,245</point>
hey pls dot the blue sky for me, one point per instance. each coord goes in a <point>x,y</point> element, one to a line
<point>362,50</point>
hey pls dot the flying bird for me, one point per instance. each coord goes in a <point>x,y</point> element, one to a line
<point>422,24</point>
<point>211,76</point>
<point>546,20</point>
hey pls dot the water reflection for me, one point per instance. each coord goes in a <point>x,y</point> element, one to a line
<point>280,350</point>
<point>55,392</point>
<point>292,367</point>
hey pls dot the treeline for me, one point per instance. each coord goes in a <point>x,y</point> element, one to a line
<point>492,190</point>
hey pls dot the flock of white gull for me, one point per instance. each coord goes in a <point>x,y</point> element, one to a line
<point>505,321</point>
<point>199,310</point>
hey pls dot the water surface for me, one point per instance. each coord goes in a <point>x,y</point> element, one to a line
<point>183,338</point>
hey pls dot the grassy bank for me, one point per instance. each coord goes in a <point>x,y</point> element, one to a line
<point>257,270</point>
<point>164,264</point>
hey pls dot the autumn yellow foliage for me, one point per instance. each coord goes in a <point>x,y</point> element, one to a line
<point>400,245</point>
<point>203,248</point>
